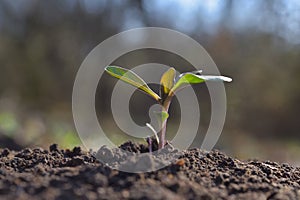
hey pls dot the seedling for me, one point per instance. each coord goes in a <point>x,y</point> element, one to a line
<point>168,88</point>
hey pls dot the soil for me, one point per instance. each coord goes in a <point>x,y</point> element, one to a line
<point>196,174</point>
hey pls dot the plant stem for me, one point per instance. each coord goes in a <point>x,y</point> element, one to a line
<point>162,132</point>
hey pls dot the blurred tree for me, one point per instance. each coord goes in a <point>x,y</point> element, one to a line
<point>255,42</point>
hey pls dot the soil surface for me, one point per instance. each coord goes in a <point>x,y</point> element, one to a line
<point>75,174</point>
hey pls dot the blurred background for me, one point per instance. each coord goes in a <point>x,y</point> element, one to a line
<point>257,43</point>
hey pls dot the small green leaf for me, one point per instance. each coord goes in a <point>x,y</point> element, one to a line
<point>131,78</point>
<point>162,116</point>
<point>190,78</point>
<point>167,82</point>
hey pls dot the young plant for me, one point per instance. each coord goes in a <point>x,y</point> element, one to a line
<point>168,88</point>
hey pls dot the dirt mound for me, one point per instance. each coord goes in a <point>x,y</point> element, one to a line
<point>75,174</point>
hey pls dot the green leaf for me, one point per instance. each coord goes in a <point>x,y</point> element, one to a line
<point>167,82</point>
<point>131,78</point>
<point>190,78</point>
<point>162,116</point>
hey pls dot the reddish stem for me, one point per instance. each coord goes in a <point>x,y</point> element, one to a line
<point>162,132</point>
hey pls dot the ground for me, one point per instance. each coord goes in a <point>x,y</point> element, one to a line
<point>196,174</point>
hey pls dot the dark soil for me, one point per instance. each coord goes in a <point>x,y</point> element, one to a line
<point>64,174</point>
